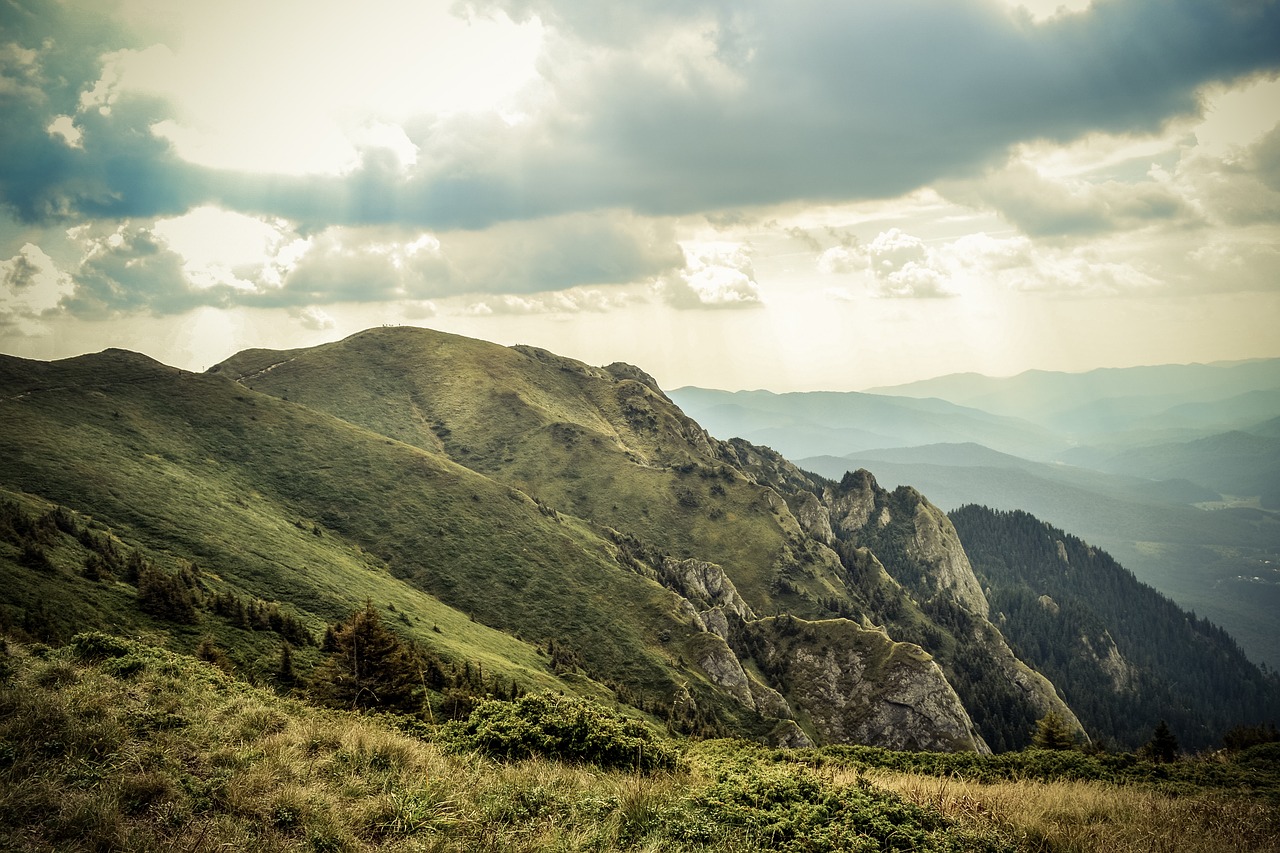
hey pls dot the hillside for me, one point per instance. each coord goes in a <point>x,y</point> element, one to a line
<point>1117,649</point>
<point>607,444</point>
<point>525,520</point>
<point>260,497</point>
<point>1205,560</point>
<point>112,744</point>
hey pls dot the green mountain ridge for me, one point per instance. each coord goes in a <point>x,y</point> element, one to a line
<point>556,524</point>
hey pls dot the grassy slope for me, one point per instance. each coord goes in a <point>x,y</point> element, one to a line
<point>242,483</point>
<point>589,443</point>
<point>611,451</point>
<point>122,746</point>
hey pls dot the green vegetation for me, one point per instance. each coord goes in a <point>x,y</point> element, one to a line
<point>275,501</point>
<point>1124,656</point>
<point>108,743</point>
<point>561,728</point>
<point>417,523</point>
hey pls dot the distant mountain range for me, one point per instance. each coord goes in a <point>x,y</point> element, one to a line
<point>1174,469</point>
<point>532,522</point>
<point>812,423</point>
<point>1171,399</point>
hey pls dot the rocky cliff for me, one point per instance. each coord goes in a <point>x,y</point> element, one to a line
<point>734,529</point>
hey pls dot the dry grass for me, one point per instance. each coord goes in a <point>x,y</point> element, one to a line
<point>1084,817</point>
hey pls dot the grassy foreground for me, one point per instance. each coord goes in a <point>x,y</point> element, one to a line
<point>108,744</point>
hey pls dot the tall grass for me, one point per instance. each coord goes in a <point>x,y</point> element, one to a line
<point>1094,817</point>
<point>108,744</point>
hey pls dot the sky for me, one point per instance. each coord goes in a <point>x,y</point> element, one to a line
<point>798,195</point>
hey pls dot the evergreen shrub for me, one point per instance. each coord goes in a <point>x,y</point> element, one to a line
<point>563,728</point>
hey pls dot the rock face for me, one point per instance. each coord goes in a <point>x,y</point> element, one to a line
<point>705,585</point>
<point>937,544</point>
<point>815,519</point>
<point>1104,652</point>
<point>854,685</point>
<point>853,503</point>
<point>935,569</point>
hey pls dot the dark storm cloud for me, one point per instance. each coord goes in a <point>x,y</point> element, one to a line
<point>856,100</point>
<point>810,99</point>
<point>119,169</point>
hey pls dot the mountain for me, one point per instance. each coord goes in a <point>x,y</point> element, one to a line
<point>526,520</point>
<point>1117,649</point>
<point>245,494</point>
<point>814,423</point>
<point>1172,399</point>
<point>1173,469</point>
<point>1233,463</point>
<point>1215,563</point>
<point>609,446</point>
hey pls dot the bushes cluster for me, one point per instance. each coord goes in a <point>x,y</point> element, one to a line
<point>563,728</point>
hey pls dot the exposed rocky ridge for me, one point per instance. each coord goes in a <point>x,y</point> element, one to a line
<point>608,445</point>
<point>858,686</point>
<point>705,585</point>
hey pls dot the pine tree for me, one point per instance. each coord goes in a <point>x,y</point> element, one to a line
<point>369,667</point>
<point>1163,746</point>
<point>1053,732</point>
<point>285,671</point>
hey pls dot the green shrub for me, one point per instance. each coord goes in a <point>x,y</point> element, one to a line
<point>95,645</point>
<point>770,804</point>
<point>563,728</point>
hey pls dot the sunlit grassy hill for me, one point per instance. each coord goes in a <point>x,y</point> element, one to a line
<point>563,558</point>
<point>286,503</point>
<point>530,521</point>
<point>599,443</point>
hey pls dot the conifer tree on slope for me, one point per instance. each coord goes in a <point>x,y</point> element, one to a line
<point>369,667</point>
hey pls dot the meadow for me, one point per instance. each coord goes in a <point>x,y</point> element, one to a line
<point>112,744</point>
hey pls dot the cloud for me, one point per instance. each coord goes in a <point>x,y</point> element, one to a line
<point>1239,189</point>
<point>576,301</point>
<point>661,108</point>
<point>716,275</point>
<point>30,286</point>
<point>900,266</point>
<point>1042,206</point>
<point>841,260</point>
<point>218,258</point>
<point>313,319</point>
<point>131,269</point>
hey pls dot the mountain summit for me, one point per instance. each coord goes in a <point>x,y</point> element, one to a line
<point>553,523</point>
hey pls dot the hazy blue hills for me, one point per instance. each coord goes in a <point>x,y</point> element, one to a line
<point>801,424</point>
<point>1232,463</point>
<point>1214,397</point>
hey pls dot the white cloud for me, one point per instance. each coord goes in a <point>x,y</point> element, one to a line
<point>30,286</point>
<point>575,301</point>
<point>899,265</point>
<point>64,128</point>
<point>840,260</point>
<point>313,319</point>
<point>716,275</point>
